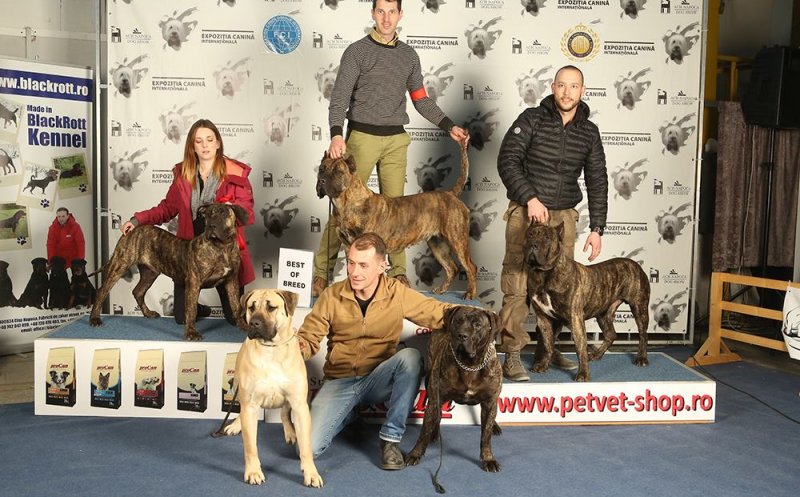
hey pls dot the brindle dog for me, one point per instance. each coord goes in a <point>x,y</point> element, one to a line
<point>560,289</point>
<point>209,260</point>
<point>438,216</point>
<point>463,367</point>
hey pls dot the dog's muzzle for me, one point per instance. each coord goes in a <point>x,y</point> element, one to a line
<point>676,54</point>
<point>320,187</point>
<point>261,329</point>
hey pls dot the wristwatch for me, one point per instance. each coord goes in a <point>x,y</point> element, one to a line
<point>598,229</point>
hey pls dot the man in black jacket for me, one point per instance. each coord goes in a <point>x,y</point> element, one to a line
<point>541,158</point>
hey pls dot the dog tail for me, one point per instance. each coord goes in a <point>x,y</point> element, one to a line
<point>462,177</point>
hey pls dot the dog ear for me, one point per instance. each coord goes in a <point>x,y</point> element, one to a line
<point>351,163</point>
<point>494,323</point>
<point>560,230</point>
<point>289,301</point>
<point>243,300</point>
<point>448,315</point>
<point>241,214</point>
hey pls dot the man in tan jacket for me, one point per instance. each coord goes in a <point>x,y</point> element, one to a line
<point>362,317</point>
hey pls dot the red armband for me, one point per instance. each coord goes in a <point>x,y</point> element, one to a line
<point>418,94</point>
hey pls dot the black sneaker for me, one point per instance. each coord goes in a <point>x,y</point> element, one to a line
<point>391,456</point>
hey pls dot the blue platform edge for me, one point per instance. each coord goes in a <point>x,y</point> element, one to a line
<point>164,329</point>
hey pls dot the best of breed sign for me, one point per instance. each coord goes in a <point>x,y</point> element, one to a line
<point>45,163</point>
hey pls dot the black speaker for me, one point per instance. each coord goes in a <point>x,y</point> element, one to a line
<point>772,97</point>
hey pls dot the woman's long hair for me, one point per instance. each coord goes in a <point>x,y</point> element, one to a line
<point>189,169</point>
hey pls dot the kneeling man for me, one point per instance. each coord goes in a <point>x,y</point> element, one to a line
<point>362,317</point>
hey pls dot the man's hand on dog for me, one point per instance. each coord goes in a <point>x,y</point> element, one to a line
<point>594,241</point>
<point>537,211</point>
<point>337,148</point>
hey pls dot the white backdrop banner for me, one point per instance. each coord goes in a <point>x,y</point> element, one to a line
<point>263,72</point>
<point>45,148</point>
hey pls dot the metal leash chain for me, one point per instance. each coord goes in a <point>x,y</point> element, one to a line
<point>490,351</point>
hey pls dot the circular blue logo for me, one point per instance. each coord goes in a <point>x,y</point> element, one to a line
<point>281,34</point>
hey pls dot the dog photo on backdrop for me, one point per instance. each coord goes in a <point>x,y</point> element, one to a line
<point>209,260</point>
<point>561,290</point>
<point>271,373</point>
<point>438,217</point>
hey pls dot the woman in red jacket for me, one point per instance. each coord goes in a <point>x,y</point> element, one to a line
<point>204,176</point>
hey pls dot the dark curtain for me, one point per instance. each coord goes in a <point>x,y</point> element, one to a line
<point>741,191</point>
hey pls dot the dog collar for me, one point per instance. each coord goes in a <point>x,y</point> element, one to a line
<point>265,344</point>
<point>490,352</point>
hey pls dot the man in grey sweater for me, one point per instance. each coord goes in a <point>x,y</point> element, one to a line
<point>543,154</point>
<point>370,91</point>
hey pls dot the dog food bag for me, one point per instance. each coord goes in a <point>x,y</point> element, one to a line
<point>106,379</point>
<point>227,383</point>
<point>60,376</point>
<point>192,388</point>
<point>149,379</point>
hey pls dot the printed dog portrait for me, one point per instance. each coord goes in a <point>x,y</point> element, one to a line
<point>532,87</point>
<point>149,383</point>
<point>126,76</point>
<point>331,4</point>
<point>167,302</point>
<point>630,89</point>
<point>12,222</point>
<point>627,179</point>
<point>231,77</point>
<point>480,38</point>
<point>175,122</point>
<point>175,30</point>
<point>277,217</point>
<point>326,78</point>
<point>432,173</point>
<point>426,267</point>
<point>75,171</point>
<point>631,8</point>
<point>677,43</point>
<point>480,128</point>
<point>279,124</point>
<point>671,223</point>
<point>674,134</point>
<point>59,380</point>
<point>102,380</point>
<point>42,183</point>
<point>7,163</point>
<point>9,116</point>
<point>127,169</point>
<point>479,219</point>
<point>432,5</point>
<point>532,7</point>
<point>435,83</point>
<point>666,311</point>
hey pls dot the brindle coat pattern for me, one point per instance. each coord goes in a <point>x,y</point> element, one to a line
<point>560,289</point>
<point>439,217</point>
<point>470,332</point>
<point>209,260</point>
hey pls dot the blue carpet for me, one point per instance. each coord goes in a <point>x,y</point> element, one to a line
<point>750,451</point>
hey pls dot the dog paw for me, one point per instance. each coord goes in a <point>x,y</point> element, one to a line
<point>490,466</point>
<point>313,479</point>
<point>540,366</point>
<point>642,362</point>
<point>582,376</point>
<point>413,459</point>
<point>594,356</point>
<point>95,321</point>
<point>233,428</point>
<point>469,295</point>
<point>192,336</point>
<point>151,314</point>
<point>439,290</point>
<point>255,477</point>
<point>291,438</point>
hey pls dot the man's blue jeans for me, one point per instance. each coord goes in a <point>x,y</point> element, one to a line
<point>395,381</point>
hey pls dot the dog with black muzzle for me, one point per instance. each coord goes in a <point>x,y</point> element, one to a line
<point>271,373</point>
<point>463,367</point>
<point>35,293</point>
<point>210,259</point>
<point>58,284</point>
<point>81,289</point>
<point>561,290</point>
